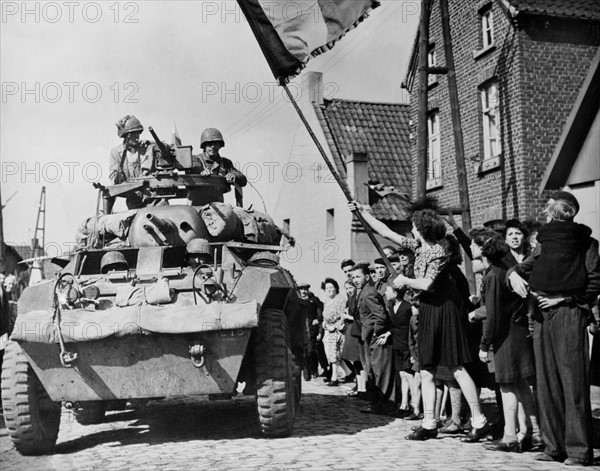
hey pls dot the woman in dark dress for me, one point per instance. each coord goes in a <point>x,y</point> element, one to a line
<point>442,338</point>
<point>505,328</point>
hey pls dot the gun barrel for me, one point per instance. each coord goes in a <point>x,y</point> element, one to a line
<point>162,225</point>
<point>164,150</point>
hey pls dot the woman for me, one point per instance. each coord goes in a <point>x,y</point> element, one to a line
<point>515,236</point>
<point>442,340</point>
<point>505,327</point>
<point>333,326</point>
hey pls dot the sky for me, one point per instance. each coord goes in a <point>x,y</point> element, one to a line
<point>71,70</point>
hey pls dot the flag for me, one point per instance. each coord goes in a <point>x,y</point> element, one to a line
<point>290,32</point>
<point>175,139</point>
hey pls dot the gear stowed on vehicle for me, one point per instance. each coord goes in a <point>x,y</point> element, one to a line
<point>164,301</point>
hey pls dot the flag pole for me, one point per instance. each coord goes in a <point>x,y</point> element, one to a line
<point>340,182</point>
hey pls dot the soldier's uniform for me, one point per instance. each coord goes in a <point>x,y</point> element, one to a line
<point>136,161</point>
<point>203,195</point>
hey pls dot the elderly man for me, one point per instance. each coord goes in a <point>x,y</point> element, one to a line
<point>210,162</point>
<point>565,279</point>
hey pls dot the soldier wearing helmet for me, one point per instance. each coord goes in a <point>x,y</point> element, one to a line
<point>209,163</point>
<point>132,158</point>
<point>113,261</point>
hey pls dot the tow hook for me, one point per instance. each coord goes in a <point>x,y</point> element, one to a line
<point>197,354</point>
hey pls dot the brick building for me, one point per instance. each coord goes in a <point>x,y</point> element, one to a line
<point>368,143</point>
<point>575,164</point>
<point>519,68</point>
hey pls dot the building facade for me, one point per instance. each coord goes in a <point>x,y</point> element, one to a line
<point>369,146</point>
<point>519,68</point>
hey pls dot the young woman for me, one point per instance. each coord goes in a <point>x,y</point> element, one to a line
<point>505,328</point>
<point>442,339</point>
<point>333,326</point>
<point>515,236</point>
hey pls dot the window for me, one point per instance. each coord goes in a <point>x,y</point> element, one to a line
<point>431,62</point>
<point>490,121</point>
<point>329,225</point>
<point>487,28</point>
<point>434,167</point>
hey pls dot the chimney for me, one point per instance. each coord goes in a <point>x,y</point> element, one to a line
<point>358,176</point>
<point>312,87</point>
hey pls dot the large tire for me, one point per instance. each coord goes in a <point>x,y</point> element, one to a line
<point>276,393</point>
<point>89,413</point>
<point>31,418</point>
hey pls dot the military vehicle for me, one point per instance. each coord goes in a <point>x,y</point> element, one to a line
<point>165,301</point>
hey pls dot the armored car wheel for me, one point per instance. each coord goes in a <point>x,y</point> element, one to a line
<point>88,413</point>
<point>32,418</point>
<point>276,391</point>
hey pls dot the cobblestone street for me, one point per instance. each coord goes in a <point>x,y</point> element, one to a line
<point>330,433</point>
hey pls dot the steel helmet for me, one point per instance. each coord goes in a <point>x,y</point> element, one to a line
<point>111,258</point>
<point>129,124</point>
<point>198,246</point>
<point>210,135</point>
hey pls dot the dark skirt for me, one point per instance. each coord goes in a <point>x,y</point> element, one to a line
<point>442,338</point>
<point>595,362</point>
<point>402,360</point>
<point>478,370</point>
<point>350,350</point>
<point>513,355</point>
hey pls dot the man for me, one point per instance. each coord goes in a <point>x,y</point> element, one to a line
<point>377,354</point>
<point>10,285</point>
<point>314,318</point>
<point>210,162</point>
<point>381,275</point>
<point>347,265</point>
<point>560,337</point>
<point>132,158</point>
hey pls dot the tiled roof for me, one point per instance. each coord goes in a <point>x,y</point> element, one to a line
<point>382,131</point>
<point>587,9</point>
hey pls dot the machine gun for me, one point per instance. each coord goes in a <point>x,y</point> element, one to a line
<point>179,157</point>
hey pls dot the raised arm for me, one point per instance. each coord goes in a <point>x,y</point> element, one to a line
<point>380,227</point>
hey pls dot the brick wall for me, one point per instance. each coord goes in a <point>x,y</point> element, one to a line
<point>538,80</point>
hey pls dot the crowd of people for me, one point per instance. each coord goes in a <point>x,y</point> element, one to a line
<point>411,334</point>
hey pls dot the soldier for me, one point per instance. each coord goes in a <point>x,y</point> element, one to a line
<point>132,158</point>
<point>209,163</point>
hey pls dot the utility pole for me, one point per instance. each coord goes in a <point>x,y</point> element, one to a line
<point>40,228</point>
<point>459,149</point>
<point>421,182</point>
